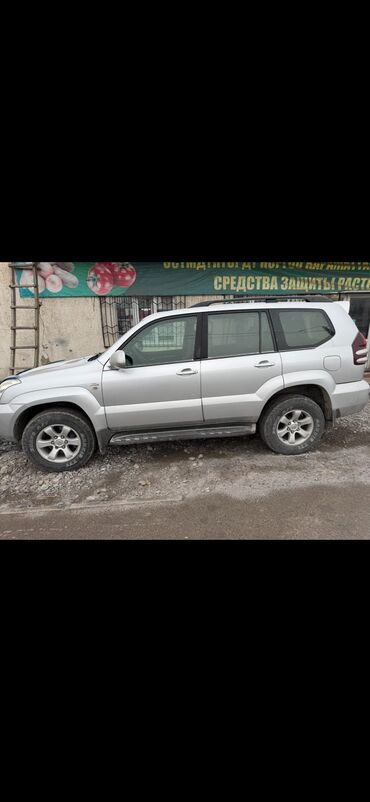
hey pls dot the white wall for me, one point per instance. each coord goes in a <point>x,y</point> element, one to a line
<point>4,319</point>
<point>69,327</point>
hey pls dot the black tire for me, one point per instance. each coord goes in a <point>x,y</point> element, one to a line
<point>59,416</point>
<point>271,422</point>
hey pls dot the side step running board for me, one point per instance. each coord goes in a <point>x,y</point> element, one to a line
<point>182,434</point>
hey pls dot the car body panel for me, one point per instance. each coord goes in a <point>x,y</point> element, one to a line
<point>350,398</point>
<point>248,382</point>
<point>152,395</point>
<point>78,396</point>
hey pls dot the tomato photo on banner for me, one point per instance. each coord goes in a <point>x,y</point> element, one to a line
<point>106,275</point>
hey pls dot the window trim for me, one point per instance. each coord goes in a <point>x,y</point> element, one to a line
<point>259,312</point>
<point>166,319</point>
<point>273,333</point>
<point>282,345</point>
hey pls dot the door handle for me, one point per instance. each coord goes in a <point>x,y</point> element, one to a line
<point>186,372</point>
<point>265,364</point>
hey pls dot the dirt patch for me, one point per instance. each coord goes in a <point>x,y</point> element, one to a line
<point>241,468</point>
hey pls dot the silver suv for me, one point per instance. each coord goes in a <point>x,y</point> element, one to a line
<point>214,370</point>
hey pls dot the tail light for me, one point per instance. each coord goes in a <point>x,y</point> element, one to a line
<point>359,348</point>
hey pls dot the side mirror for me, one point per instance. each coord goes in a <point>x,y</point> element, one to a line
<point>118,360</point>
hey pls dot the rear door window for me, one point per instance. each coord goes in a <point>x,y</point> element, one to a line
<point>301,328</point>
<point>238,334</point>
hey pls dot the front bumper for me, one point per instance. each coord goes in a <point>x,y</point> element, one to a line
<point>349,399</point>
<point>7,421</point>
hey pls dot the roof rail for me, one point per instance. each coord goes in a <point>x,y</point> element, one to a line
<point>309,299</point>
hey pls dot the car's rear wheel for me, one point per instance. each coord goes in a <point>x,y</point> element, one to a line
<point>58,440</point>
<point>292,425</point>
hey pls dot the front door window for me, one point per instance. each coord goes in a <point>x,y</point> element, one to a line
<point>163,342</point>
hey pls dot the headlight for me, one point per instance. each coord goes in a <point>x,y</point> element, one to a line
<point>8,383</point>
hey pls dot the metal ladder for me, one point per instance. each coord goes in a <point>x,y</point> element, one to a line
<point>34,308</point>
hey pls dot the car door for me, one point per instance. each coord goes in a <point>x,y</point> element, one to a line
<point>241,369</point>
<point>160,385</point>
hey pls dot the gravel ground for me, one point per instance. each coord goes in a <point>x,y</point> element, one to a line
<point>241,468</point>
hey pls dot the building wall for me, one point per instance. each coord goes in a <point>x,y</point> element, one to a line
<point>4,319</point>
<point>69,327</point>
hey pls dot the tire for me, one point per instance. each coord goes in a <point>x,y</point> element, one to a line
<point>61,424</point>
<point>305,429</point>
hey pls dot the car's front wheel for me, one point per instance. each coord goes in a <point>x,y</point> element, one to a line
<point>58,440</point>
<point>292,425</point>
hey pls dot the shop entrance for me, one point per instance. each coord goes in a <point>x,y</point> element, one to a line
<point>360,312</point>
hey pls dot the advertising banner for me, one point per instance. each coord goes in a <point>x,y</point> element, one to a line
<point>107,279</point>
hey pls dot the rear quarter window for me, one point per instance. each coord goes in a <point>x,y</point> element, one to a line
<point>301,328</point>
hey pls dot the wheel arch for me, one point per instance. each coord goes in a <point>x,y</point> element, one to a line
<point>315,392</point>
<point>27,414</point>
